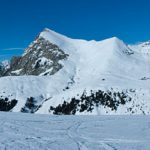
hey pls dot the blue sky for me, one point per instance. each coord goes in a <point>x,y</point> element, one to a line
<point>22,20</point>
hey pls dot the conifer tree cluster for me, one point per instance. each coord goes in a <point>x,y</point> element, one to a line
<point>6,104</point>
<point>30,106</point>
<point>88,102</point>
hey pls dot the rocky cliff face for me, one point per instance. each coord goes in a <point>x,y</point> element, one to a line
<point>40,58</point>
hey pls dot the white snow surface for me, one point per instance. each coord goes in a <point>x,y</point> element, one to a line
<point>6,64</point>
<point>89,62</point>
<point>17,71</point>
<point>45,132</point>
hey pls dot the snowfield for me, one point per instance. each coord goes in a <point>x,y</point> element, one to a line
<point>49,132</point>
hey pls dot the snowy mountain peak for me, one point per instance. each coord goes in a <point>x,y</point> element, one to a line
<point>147,43</point>
<point>50,47</point>
<point>119,44</point>
<point>114,39</point>
<point>142,47</point>
<point>53,36</point>
<point>42,57</point>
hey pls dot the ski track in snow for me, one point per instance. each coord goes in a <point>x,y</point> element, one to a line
<point>45,132</point>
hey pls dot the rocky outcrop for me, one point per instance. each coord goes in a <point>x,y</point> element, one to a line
<point>40,58</point>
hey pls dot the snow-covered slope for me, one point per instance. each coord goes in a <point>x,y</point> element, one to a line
<point>27,131</point>
<point>119,71</point>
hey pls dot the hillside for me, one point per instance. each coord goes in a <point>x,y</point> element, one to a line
<point>60,75</point>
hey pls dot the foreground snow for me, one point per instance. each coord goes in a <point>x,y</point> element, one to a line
<point>45,132</point>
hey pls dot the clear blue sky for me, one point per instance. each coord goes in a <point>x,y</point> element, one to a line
<point>22,20</point>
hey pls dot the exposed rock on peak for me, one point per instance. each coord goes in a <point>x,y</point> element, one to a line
<point>40,58</point>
